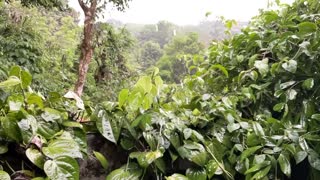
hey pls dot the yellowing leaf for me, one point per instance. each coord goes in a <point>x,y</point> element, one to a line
<point>103,161</point>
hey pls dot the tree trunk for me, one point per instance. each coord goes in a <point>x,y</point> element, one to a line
<point>86,45</point>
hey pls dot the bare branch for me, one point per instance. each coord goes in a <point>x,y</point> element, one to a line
<point>83,6</point>
<point>93,6</point>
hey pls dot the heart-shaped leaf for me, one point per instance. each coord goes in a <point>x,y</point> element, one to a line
<point>290,66</point>
<point>130,171</point>
<point>62,168</point>
<point>4,175</point>
<point>62,147</point>
<point>35,157</point>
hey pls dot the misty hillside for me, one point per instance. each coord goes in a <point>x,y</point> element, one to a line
<point>207,30</point>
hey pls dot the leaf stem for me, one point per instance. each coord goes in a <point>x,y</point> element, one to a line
<point>13,171</point>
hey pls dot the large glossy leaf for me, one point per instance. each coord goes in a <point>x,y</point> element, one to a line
<point>146,158</point>
<point>72,124</point>
<point>74,96</point>
<point>290,66</point>
<point>50,115</point>
<point>291,94</point>
<point>151,140</point>
<point>248,152</point>
<point>161,164</point>
<point>287,84</point>
<point>35,99</point>
<point>307,27</point>
<point>258,129</point>
<point>200,158</point>
<point>262,173</point>
<point>123,96</point>
<point>147,101</point>
<point>221,68</point>
<point>159,82</point>
<point>26,79</point>
<point>15,102</point>
<point>126,172</point>
<point>121,174</point>
<point>47,129</point>
<point>196,174</point>
<point>314,160</point>
<point>233,126</point>
<point>284,165</point>
<point>28,128</point>
<point>62,147</point>
<point>316,117</point>
<point>177,177</point>
<point>35,157</point>
<point>62,168</point>
<point>278,107</point>
<point>80,137</point>
<point>4,175</point>
<point>135,100</point>
<point>195,152</point>
<point>300,156</point>
<point>11,128</point>
<point>173,137</point>
<point>262,66</point>
<point>308,84</point>
<point>257,167</point>
<point>145,83</point>
<point>217,149</point>
<point>15,71</point>
<point>11,82</point>
<point>211,168</point>
<point>107,127</point>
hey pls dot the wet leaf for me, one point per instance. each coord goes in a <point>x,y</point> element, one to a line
<point>146,158</point>
<point>196,174</point>
<point>62,147</point>
<point>308,84</point>
<point>62,168</point>
<point>248,152</point>
<point>177,177</point>
<point>284,165</point>
<point>290,66</point>
<point>300,156</point>
<point>262,173</point>
<point>130,172</point>
<point>35,157</point>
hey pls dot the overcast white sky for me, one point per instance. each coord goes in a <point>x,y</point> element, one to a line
<point>184,12</point>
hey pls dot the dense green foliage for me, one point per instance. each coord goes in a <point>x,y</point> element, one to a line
<point>247,110</point>
<point>41,128</point>
<point>151,53</point>
<point>250,110</point>
<point>161,33</point>
<point>178,55</point>
<point>45,44</point>
<point>110,71</point>
<point>44,3</point>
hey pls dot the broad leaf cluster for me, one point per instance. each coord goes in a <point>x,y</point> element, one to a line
<point>249,110</point>
<point>41,127</point>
